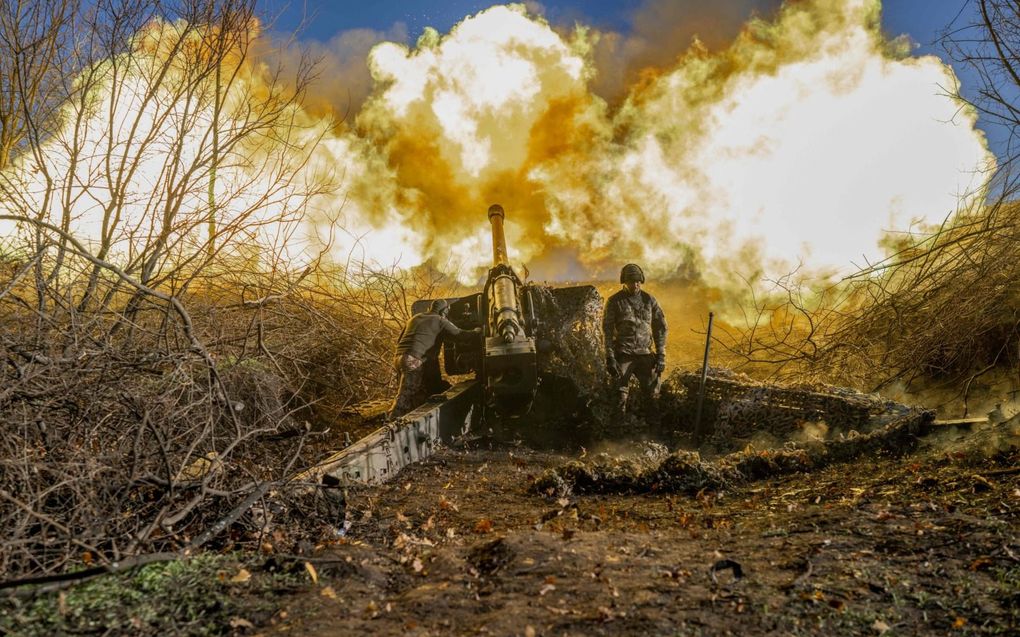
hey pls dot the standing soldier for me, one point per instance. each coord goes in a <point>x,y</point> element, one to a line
<point>633,321</point>
<point>417,342</point>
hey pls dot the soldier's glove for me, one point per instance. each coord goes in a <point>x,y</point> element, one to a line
<point>612,366</point>
<point>660,365</point>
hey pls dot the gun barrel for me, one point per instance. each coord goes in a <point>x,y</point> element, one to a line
<point>510,366</point>
<point>503,303</point>
<point>505,312</point>
<point>496,217</point>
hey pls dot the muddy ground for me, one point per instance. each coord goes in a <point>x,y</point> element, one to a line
<point>922,544</point>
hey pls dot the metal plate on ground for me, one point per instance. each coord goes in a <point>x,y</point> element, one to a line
<point>382,454</point>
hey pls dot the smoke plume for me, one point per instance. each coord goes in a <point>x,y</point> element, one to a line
<point>800,141</point>
<point>798,136</point>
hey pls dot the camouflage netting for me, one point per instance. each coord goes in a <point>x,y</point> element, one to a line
<point>570,335</point>
<point>687,472</point>
<point>570,406</point>
<point>737,409</point>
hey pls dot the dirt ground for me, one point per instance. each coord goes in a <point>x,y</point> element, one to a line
<point>924,544</point>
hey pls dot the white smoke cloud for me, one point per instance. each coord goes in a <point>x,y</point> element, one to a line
<point>803,140</point>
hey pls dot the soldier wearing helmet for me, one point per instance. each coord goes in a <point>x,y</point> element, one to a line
<point>635,333</point>
<point>418,343</point>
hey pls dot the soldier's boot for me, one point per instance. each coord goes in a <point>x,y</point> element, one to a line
<point>655,421</point>
<point>620,407</point>
<point>618,426</point>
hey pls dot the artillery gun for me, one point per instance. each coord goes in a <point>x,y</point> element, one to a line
<point>505,360</point>
<point>538,345</point>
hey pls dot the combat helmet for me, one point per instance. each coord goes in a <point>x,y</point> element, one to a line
<point>632,272</point>
<point>439,306</point>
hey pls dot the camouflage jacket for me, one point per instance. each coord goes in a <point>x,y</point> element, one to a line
<point>632,323</point>
<point>422,331</point>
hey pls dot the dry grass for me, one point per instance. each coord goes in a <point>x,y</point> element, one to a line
<point>943,311</point>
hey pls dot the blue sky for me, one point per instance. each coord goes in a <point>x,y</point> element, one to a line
<point>331,17</point>
<point>921,19</point>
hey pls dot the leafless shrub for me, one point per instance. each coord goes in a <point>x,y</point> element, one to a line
<point>162,352</point>
<point>782,328</point>
<point>942,312</point>
<point>987,47</point>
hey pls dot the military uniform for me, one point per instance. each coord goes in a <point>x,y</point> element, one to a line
<point>418,342</point>
<point>635,331</point>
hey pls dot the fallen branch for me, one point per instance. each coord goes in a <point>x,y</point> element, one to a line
<point>230,518</point>
<point>63,580</point>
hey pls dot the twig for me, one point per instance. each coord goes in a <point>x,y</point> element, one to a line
<point>230,518</point>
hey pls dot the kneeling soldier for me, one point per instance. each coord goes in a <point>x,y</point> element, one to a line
<point>418,340</point>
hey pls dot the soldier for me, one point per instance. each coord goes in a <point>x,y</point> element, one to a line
<point>632,323</point>
<point>417,343</point>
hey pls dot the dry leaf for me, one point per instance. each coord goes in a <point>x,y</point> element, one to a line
<point>240,622</point>
<point>312,572</point>
<point>560,611</point>
<point>242,577</point>
<point>201,467</point>
<point>981,564</point>
<point>880,626</point>
<point>329,592</point>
